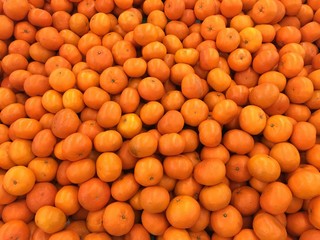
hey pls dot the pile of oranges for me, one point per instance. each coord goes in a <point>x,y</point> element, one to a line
<point>173,120</point>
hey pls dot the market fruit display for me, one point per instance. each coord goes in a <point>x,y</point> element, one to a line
<point>151,119</point>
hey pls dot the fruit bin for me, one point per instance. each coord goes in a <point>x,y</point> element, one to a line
<point>150,119</point>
